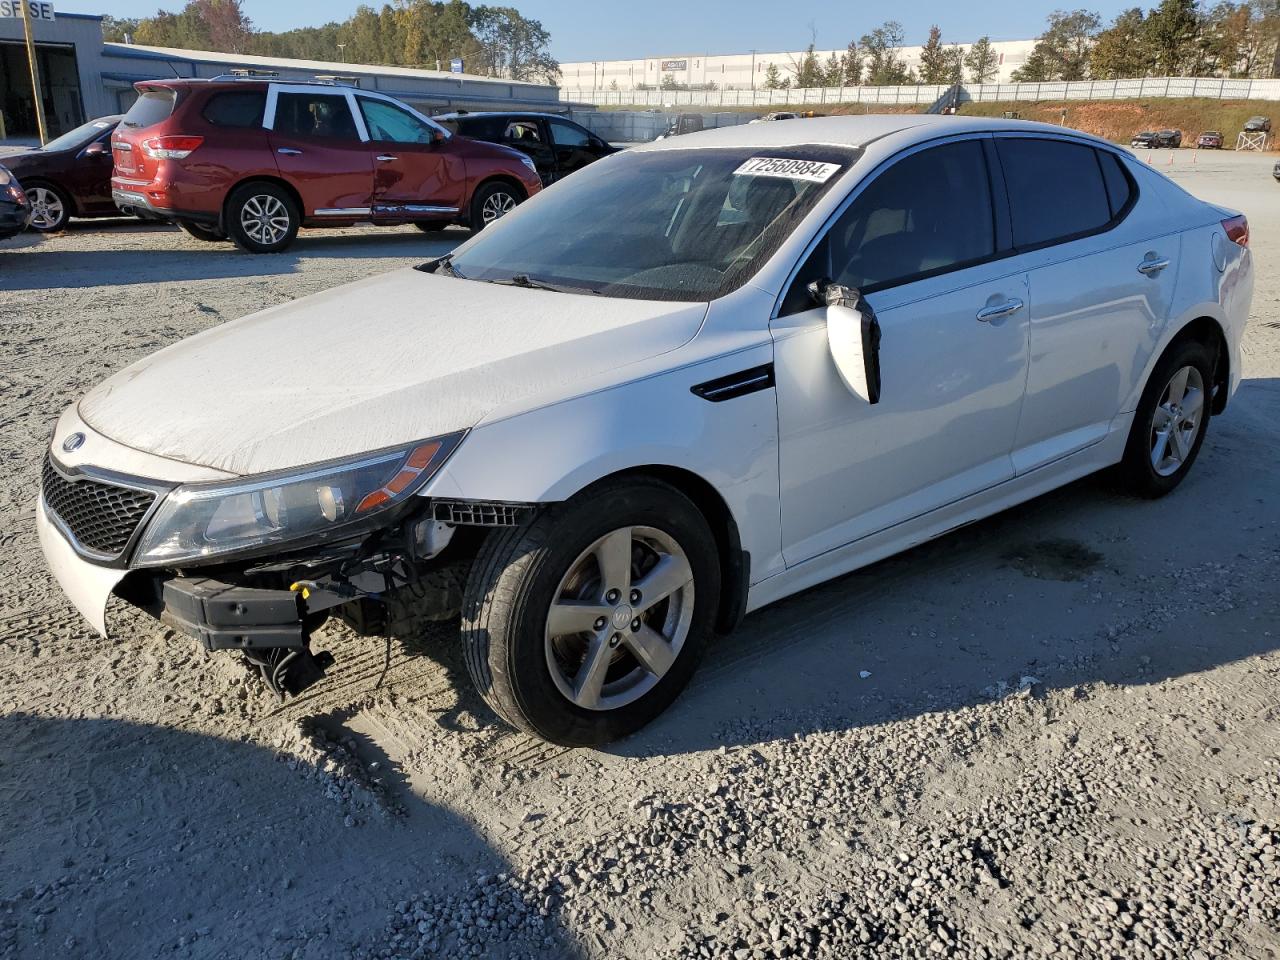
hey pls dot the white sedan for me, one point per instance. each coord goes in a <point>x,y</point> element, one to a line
<point>692,379</point>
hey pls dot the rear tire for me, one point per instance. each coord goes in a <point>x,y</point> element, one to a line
<point>50,207</point>
<point>201,232</point>
<point>558,648</point>
<point>1170,423</point>
<point>431,226</point>
<point>262,217</point>
<point>492,202</point>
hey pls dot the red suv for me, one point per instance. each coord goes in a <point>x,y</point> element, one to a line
<point>253,160</point>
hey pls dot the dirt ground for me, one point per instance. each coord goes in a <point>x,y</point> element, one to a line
<point>1052,733</point>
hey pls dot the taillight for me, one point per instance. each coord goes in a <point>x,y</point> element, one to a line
<point>170,148</point>
<point>1237,229</point>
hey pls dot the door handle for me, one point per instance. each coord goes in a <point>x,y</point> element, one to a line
<point>289,151</point>
<point>385,157</point>
<point>1000,310</point>
<point>1152,267</point>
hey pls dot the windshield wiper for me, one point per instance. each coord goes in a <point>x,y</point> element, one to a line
<point>529,283</point>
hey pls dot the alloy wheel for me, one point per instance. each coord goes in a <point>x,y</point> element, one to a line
<point>496,206</point>
<point>265,219</point>
<point>620,617</point>
<point>1177,420</point>
<point>47,211</point>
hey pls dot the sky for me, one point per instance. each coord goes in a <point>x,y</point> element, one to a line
<point>622,29</point>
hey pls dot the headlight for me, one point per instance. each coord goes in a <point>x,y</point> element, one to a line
<point>206,520</point>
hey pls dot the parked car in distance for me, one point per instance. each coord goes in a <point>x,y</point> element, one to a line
<point>1275,171</point>
<point>776,115</point>
<point>254,160</point>
<point>1169,138</point>
<point>556,145</point>
<point>15,211</point>
<point>1147,139</point>
<point>1258,125</point>
<point>69,176</point>
<point>1210,140</point>
<point>684,123</point>
<point>784,352</point>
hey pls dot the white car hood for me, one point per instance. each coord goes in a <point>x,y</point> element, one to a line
<point>373,364</point>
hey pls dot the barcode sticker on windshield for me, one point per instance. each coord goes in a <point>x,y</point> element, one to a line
<point>811,170</point>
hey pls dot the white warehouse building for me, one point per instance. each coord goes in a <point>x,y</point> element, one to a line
<point>739,71</point>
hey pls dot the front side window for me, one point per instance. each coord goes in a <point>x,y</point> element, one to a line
<point>927,213</point>
<point>698,223</point>
<point>388,122</point>
<point>314,115</point>
<point>1056,190</point>
<point>567,135</point>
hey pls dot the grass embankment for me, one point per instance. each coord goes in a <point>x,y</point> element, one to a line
<point>1115,120</point>
<point>1118,120</point>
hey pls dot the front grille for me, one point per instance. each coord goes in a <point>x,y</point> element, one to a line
<point>101,517</point>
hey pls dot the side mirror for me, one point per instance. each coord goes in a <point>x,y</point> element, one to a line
<point>853,336</point>
<point>96,149</point>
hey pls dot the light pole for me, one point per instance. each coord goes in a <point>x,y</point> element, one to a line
<point>753,70</point>
<point>342,50</point>
<point>35,75</point>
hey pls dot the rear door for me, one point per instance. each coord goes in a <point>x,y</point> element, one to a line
<point>416,175</point>
<point>318,149</point>
<point>530,136</point>
<point>1102,269</point>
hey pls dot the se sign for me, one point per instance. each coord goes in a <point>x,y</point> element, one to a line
<point>34,9</point>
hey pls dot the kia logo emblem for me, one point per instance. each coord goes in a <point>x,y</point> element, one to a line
<point>73,442</point>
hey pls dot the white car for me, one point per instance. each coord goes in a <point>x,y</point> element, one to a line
<point>783,352</point>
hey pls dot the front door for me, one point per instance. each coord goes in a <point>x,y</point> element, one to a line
<point>920,240</point>
<point>416,175</point>
<point>574,146</point>
<point>318,150</point>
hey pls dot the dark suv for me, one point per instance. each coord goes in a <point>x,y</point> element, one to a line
<point>557,146</point>
<point>255,159</point>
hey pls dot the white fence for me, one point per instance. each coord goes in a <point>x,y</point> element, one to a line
<point>1212,88</point>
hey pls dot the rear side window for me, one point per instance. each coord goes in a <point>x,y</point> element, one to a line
<point>151,107</point>
<point>242,108</point>
<point>927,213</point>
<point>320,115</point>
<point>1119,189</point>
<point>1056,190</point>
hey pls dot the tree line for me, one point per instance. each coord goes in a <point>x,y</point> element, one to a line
<point>876,60</point>
<point>491,40</point>
<point>1178,38</point>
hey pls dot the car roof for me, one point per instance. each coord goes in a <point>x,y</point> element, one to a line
<point>855,131</point>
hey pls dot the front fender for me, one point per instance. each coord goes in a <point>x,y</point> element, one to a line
<point>551,453</point>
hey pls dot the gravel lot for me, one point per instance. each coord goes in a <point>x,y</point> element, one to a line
<point>1052,733</point>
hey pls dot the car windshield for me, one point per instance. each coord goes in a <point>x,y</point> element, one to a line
<point>79,136</point>
<point>687,225</point>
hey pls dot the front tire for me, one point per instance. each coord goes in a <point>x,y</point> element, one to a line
<point>491,203</point>
<point>585,623</point>
<point>50,208</point>
<point>431,226</point>
<point>1170,423</point>
<point>262,217</point>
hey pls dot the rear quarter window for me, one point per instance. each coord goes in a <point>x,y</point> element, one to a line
<point>239,108</point>
<point>1120,189</point>
<point>1056,190</point>
<point>151,107</point>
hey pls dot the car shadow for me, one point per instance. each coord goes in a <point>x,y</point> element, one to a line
<point>123,264</point>
<point>124,839</point>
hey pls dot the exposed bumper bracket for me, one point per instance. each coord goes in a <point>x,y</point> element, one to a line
<point>226,617</point>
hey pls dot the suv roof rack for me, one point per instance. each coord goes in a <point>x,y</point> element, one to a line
<point>328,80</point>
<point>337,79</point>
